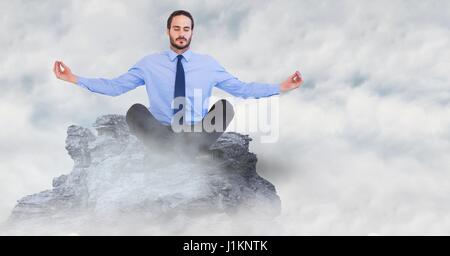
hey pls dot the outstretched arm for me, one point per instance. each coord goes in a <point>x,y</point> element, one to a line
<point>234,86</point>
<point>112,87</point>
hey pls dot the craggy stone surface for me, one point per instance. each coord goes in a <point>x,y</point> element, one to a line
<point>115,175</point>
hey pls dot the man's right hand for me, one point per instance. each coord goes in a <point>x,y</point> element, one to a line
<point>64,73</point>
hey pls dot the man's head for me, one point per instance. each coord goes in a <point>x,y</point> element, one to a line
<point>179,29</point>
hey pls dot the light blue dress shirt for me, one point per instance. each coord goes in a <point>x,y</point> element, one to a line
<point>157,72</point>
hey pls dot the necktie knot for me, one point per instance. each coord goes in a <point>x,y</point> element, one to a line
<point>180,57</point>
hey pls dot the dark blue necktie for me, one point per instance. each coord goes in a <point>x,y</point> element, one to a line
<point>180,84</point>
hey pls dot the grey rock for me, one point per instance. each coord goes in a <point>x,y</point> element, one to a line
<point>115,175</point>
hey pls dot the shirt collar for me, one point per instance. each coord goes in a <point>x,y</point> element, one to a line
<point>173,55</point>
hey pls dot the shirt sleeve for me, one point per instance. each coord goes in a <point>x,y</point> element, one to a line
<point>116,86</point>
<point>234,86</point>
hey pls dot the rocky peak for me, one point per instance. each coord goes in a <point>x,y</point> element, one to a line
<point>115,175</point>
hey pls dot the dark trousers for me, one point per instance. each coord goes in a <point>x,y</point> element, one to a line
<point>155,135</point>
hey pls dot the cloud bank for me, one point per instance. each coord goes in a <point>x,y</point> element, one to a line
<point>363,143</point>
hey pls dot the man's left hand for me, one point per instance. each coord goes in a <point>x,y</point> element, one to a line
<point>293,81</point>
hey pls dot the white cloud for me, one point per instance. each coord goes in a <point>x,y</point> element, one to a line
<point>365,150</point>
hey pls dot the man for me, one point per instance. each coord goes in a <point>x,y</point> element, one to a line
<point>176,80</point>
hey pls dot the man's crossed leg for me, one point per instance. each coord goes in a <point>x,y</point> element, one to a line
<point>201,135</point>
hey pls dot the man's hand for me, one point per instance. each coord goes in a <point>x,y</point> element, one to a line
<point>292,82</point>
<point>65,73</point>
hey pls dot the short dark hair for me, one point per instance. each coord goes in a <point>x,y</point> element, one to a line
<point>180,12</point>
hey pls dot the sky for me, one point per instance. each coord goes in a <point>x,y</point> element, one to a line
<point>363,143</point>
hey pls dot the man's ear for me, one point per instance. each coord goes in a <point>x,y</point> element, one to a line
<point>167,32</point>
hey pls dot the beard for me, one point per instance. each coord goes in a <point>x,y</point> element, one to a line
<point>180,47</point>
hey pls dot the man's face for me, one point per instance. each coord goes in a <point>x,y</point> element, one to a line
<point>180,32</point>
